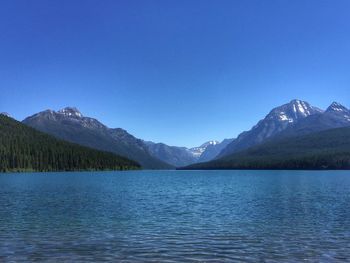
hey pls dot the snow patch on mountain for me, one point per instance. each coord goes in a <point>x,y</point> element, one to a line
<point>70,112</point>
<point>198,151</point>
<point>339,110</point>
<point>277,120</point>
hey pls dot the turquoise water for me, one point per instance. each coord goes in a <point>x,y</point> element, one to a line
<point>175,216</point>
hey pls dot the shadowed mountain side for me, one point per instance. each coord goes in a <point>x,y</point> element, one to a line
<point>177,156</point>
<point>213,150</point>
<point>70,125</point>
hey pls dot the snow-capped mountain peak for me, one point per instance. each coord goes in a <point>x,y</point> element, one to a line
<point>278,119</point>
<point>69,115</point>
<point>292,111</point>
<point>335,106</point>
<point>339,110</point>
<point>301,107</point>
<point>70,112</point>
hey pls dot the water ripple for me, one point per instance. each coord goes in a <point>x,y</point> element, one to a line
<point>167,216</point>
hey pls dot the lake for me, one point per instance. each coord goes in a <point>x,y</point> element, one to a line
<point>175,216</point>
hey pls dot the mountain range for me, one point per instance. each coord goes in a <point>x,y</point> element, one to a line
<point>69,124</point>
<point>326,149</point>
<point>292,123</point>
<point>295,118</point>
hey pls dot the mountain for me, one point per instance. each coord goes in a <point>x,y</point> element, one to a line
<point>70,125</point>
<point>335,116</point>
<point>277,120</point>
<point>25,149</point>
<point>213,150</point>
<point>329,149</point>
<point>198,151</point>
<point>178,156</point>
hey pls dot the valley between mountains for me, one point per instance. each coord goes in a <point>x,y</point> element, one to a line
<point>295,135</point>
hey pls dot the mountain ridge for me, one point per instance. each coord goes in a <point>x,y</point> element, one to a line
<point>276,121</point>
<point>70,125</point>
<point>296,117</point>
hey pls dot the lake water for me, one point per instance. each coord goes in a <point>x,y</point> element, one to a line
<point>175,216</point>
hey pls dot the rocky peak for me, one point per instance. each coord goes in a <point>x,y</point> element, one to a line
<point>292,111</point>
<point>70,112</point>
<point>335,106</point>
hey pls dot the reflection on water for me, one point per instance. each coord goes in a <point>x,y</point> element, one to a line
<point>175,216</point>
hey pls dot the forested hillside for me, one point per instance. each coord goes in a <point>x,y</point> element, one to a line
<point>24,149</point>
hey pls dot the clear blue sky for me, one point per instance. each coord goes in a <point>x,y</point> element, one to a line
<point>175,71</point>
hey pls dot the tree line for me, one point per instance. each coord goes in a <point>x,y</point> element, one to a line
<point>25,149</point>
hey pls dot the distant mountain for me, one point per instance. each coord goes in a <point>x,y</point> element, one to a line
<point>213,150</point>
<point>70,125</point>
<point>277,120</point>
<point>198,151</point>
<point>328,149</point>
<point>26,149</point>
<point>178,156</point>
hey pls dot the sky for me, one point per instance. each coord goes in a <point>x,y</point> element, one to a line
<point>180,72</point>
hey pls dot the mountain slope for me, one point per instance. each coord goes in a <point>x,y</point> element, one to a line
<point>177,156</point>
<point>198,151</point>
<point>329,149</point>
<point>25,149</point>
<point>70,125</point>
<point>276,121</point>
<point>213,150</point>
